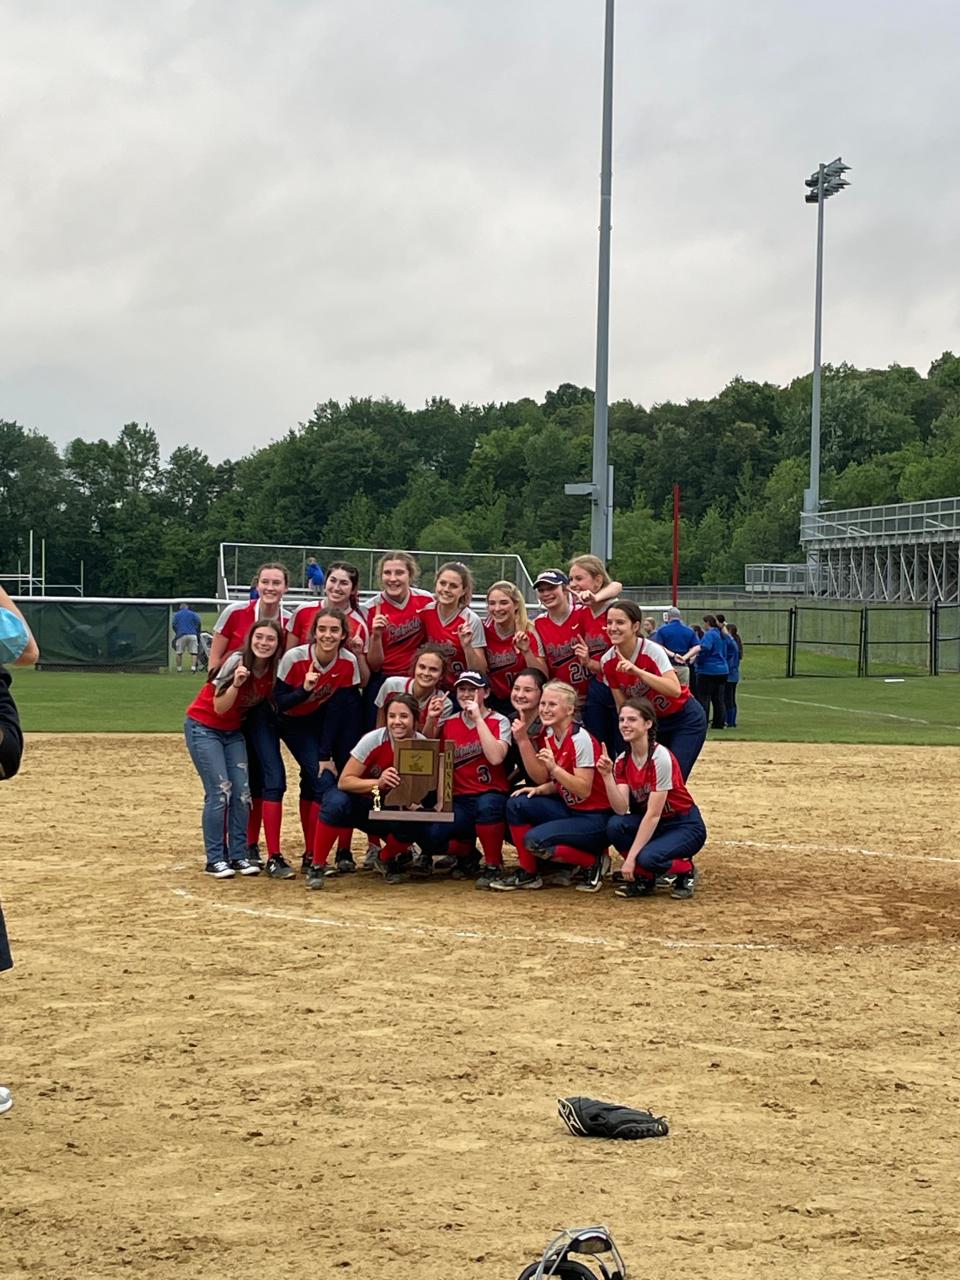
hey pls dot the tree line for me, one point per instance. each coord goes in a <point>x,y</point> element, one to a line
<point>487,478</point>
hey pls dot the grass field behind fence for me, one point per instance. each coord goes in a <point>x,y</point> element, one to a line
<point>925,712</point>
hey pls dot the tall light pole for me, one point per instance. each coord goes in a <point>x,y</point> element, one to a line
<point>600,488</point>
<point>823,184</point>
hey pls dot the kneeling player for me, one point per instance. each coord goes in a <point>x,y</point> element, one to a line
<point>655,823</point>
<point>481,741</point>
<point>369,772</point>
<point>563,818</point>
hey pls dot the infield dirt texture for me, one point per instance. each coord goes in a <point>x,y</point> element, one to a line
<point>242,1079</point>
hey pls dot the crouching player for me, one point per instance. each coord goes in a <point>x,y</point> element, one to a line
<point>481,741</point>
<point>369,773</point>
<point>655,823</point>
<point>563,818</point>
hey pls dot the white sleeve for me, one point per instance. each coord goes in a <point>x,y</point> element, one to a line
<point>224,676</point>
<point>503,729</point>
<point>352,657</point>
<point>536,644</point>
<point>477,640</point>
<point>369,742</point>
<point>449,710</point>
<point>586,758</point>
<point>659,655</point>
<point>221,622</point>
<point>392,684</point>
<point>300,654</point>
<point>664,767</point>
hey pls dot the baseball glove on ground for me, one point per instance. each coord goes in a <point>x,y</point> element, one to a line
<point>588,1118</point>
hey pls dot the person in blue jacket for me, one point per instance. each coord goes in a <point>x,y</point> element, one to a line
<point>733,647</point>
<point>680,642</point>
<point>315,576</point>
<point>712,669</point>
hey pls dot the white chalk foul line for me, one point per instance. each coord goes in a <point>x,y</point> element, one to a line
<point>836,848</point>
<point>473,935</point>
<point>853,711</point>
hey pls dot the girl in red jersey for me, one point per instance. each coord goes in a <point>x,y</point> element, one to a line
<point>563,817</point>
<point>318,705</point>
<point>435,706</point>
<point>634,667</point>
<point>214,737</point>
<point>591,586</point>
<point>512,644</point>
<point>396,628</point>
<point>481,739</point>
<point>370,769</point>
<point>341,591</point>
<point>269,584</point>
<point>559,627</point>
<point>449,622</point>
<point>526,727</point>
<point>656,823</point>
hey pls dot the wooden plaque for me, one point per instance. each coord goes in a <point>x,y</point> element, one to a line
<point>425,793</point>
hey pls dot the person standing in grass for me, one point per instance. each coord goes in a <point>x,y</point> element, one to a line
<point>711,667</point>
<point>186,636</point>
<point>733,647</point>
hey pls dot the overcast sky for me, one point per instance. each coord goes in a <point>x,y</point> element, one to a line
<point>215,214</point>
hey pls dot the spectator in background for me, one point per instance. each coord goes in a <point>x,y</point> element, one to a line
<point>680,642</point>
<point>186,636</point>
<point>734,652</point>
<point>711,666</point>
<point>315,577</point>
<point>17,646</point>
<point>647,627</point>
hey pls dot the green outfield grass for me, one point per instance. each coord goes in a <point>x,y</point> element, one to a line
<point>920,711</point>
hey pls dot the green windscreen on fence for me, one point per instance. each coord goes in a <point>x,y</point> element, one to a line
<point>105,637</point>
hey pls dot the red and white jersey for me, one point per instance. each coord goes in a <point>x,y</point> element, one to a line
<point>504,660</point>
<point>237,619</point>
<point>404,684</point>
<point>254,689</point>
<point>446,635</point>
<point>403,634</point>
<point>648,656</point>
<point>303,616</point>
<point>557,640</point>
<point>375,752</point>
<point>472,771</point>
<point>578,750</point>
<point>342,672</point>
<point>595,630</point>
<point>659,772</point>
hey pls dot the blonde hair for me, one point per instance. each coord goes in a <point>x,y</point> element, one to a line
<point>568,691</point>
<point>513,591</point>
<point>593,565</point>
<point>465,576</point>
<point>405,558</point>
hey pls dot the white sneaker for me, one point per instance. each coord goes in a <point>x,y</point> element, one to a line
<point>6,1099</point>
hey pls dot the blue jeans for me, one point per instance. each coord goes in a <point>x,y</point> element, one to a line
<point>220,758</point>
<point>678,837</point>
<point>684,733</point>
<point>601,718</point>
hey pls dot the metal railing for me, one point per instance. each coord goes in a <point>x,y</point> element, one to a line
<point>938,519</point>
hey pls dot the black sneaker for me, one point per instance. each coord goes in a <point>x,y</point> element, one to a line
<point>685,884</point>
<point>370,858</point>
<point>522,880</point>
<point>220,870</point>
<point>253,856</point>
<point>395,874</point>
<point>468,866</point>
<point>635,889</point>
<point>562,878</point>
<point>243,867</point>
<point>665,881</point>
<point>444,864</point>
<point>421,868</point>
<point>345,863</point>
<point>316,875</point>
<point>488,875</point>
<point>306,862</point>
<point>279,868</point>
<point>592,881</point>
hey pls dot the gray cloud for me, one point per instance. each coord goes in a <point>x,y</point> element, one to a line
<point>215,214</point>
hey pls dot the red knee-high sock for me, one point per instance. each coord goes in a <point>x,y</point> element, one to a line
<point>526,859</point>
<point>459,848</point>
<point>345,839</point>
<point>253,822</point>
<point>272,820</point>
<point>305,821</point>
<point>391,847</point>
<point>324,838</point>
<point>680,867</point>
<point>490,835</point>
<point>375,841</point>
<point>567,853</point>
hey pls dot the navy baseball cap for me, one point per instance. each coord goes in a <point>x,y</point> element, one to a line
<point>551,578</point>
<point>475,678</point>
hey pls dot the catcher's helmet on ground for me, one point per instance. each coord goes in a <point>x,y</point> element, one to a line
<point>591,1242</point>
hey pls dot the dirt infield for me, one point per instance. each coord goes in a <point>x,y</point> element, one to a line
<point>240,1079</point>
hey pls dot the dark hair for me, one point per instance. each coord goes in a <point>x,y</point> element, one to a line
<point>722,619</point>
<point>633,611</point>
<point>407,700</point>
<point>327,612</point>
<point>710,620</point>
<point>645,708</point>
<point>248,657</point>
<point>734,631</point>
<point>535,674</point>
<point>353,573</point>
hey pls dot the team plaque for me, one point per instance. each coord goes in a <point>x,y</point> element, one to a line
<point>425,790</point>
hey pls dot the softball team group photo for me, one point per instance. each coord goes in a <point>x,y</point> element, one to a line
<point>571,735</point>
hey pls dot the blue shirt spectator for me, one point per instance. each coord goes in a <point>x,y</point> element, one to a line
<point>14,636</point>
<point>186,622</point>
<point>712,659</point>
<point>315,576</point>
<point>675,636</point>
<point>732,654</point>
